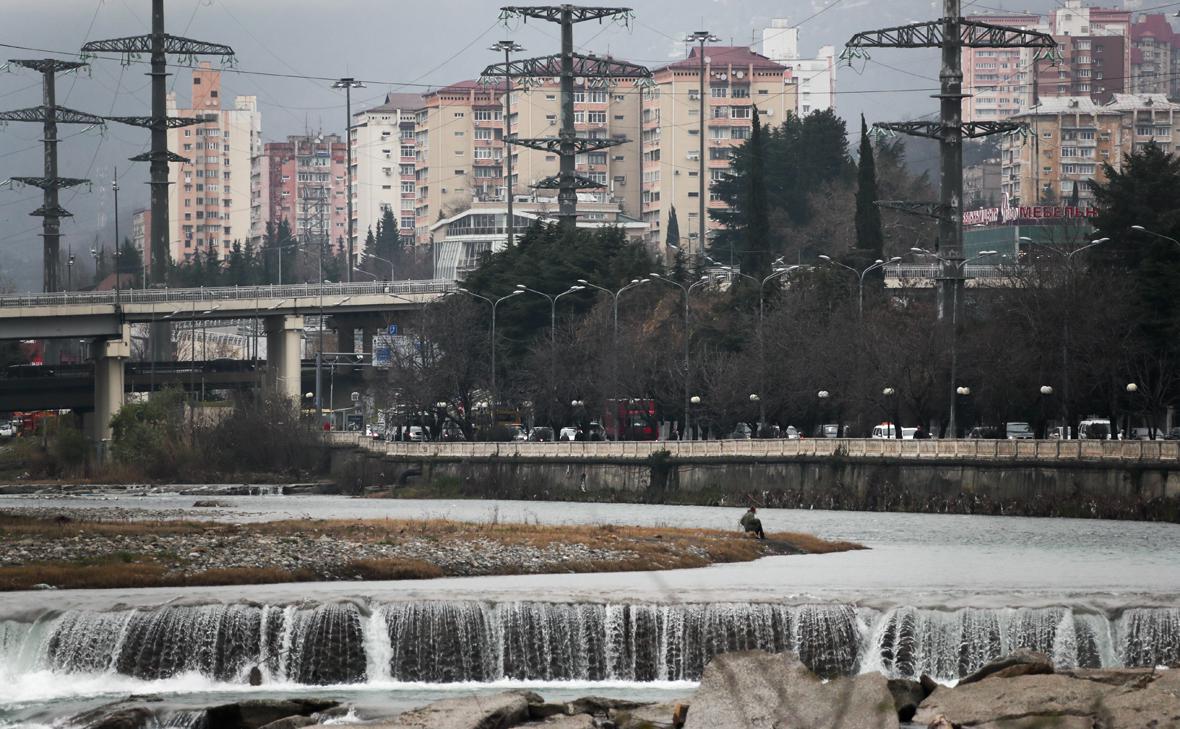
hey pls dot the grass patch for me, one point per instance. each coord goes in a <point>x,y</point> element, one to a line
<point>99,574</point>
<point>392,569</point>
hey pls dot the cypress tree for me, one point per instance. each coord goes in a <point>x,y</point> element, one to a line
<point>869,238</point>
<point>756,244</point>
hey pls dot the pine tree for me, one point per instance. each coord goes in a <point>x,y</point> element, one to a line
<point>869,237</point>
<point>672,238</point>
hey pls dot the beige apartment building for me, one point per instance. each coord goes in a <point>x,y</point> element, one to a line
<point>460,146</point>
<point>736,80</point>
<point>384,165</point>
<point>210,198</point>
<point>1071,137</point>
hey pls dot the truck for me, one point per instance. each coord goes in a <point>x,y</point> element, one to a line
<point>631,419</point>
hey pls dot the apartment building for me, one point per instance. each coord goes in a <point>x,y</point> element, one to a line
<point>210,196</point>
<point>1071,137</point>
<point>736,80</point>
<point>303,182</point>
<point>384,165</point>
<point>1155,56</point>
<point>141,233</point>
<point>1094,59</point>
<point>814,77</point>
<point>460,145</point>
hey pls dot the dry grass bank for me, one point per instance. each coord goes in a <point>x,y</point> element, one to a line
<point>127,554</point>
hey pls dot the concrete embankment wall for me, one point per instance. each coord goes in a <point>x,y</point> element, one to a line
<point>1148,491</point>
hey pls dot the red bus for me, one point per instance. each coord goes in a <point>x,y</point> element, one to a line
<point>633,419</point>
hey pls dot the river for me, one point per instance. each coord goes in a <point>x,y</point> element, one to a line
<point>934,593</point>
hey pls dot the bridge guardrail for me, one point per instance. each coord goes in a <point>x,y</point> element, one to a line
<point>228,293</point>
<point>993,450</point>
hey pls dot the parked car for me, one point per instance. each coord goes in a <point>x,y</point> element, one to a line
<point>1173,434</point>
<point>1147,434</point>
<point>569,432</point>
<point>831,430</point>
<point>417,434</point>
<point>791,433</point>
<point>541,434</point>
<point>451,433</point>
<point>886,431</point>
<point>596,431</point>
<point>1018,431</point>
<point>518,432</point>
<point>7,430</point>
<point>985,432</point>
<point>741,431</point>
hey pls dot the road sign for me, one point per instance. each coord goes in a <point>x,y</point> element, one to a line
<point>356,397</point>
<point>393,330</point>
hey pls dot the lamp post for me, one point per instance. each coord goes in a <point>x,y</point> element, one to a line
<point>687,356</point>
<point>118,242</point>
<point>1145,231</point>
<point>358,269</point>
<point>702,37</point>
<point>1068,256</point>
<point>495,303</point>
<point>635,283</point>
<point>893,410</point>
<point>348,84</point>
<point>694,401</point>
<point>860,278</point>
<point>509,47</point>
<point>70,271</point>
<point>952,426</point>
<point>383,260</point>
<point>552,327</point>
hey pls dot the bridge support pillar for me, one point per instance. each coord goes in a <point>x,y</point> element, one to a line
<point>110,355</point>
<point>284,337</point>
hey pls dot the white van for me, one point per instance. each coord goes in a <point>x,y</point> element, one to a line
<point>1095,429</point>
<point>885,431</point>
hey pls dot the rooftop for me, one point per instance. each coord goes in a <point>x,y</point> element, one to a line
<point>398,102</point>
<point>724,56</point>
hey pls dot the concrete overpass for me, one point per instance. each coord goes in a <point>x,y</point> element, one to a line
<point>107,316</point>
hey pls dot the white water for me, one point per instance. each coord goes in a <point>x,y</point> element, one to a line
<point>955,582</point>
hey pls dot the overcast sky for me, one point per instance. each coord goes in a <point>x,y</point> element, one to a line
<point>394,45</point>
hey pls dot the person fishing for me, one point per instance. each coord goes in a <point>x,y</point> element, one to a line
<point>751,523</point>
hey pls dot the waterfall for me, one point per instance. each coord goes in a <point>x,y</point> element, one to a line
<point>452,641</point>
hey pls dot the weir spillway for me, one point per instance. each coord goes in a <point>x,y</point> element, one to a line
<point>351,642</point>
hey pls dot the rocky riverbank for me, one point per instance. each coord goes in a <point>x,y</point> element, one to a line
<point>65,550</point>
<point>752,690</point>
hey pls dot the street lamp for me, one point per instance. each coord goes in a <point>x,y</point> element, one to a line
<point>702,37</point>
<point>1145,231</point>
<point>383,260</point>
<point>348,84</point>
<point>635,283</point>
<point>687,357</point>
<point>860,278</point>
<point>889,394</point>
<point>495,304</point>
<point>358,269</point>
<point>508,47</point>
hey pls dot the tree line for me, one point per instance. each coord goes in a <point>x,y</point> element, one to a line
<point>1057,335</point>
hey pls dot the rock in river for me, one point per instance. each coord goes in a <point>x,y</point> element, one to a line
<point>759,690</point>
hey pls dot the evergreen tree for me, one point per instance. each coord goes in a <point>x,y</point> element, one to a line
<point>755,252</point>
<point>131,263</point>
<point>236,271</point>
<point>672,238</point>
<point>869,237</point>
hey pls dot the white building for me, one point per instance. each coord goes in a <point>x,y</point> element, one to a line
<point>210,199</point>
<point>815,78</point>
<point>384,159</point>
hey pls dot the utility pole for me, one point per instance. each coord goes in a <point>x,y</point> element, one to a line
<point>50,115</point>
<point>348,84</point>
<point>118,243</point>
<point>158,44</point>
<point>509,47</point>
<point>951,34</point>
<point>566,66</point>
<point>702,37</point>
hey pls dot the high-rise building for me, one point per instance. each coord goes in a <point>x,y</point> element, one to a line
<point>141,230</point>
<point>210,196</point>
<point>1155,56</point>
<point>1094,56</point>
<point>384,166</point>
<point>814,77</point>
<point>1071,137</point>
<point>736,80</point>
<point>460,146</point>
<point>303,183</point>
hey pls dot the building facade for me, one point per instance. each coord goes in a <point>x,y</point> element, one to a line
<point>736,81</point>
<point>384,166</point>
<point>815,78</point>
<point>303,183</point>
<point>1155,56</point>
<point>210,196</point>
<point>1094,60</point>
<point>1071,137</point>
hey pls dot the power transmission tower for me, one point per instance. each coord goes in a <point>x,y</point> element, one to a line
<point>159,45</point>
<point>50,115</point>
<point>566,66</point>
<point>950,33</point>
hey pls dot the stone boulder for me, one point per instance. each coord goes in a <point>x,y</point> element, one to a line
<point>577,721</point>
<point>759,690</point>
<point>133,717</point>
<point>257,713</point>
<point>292,722</point>
<point>652,716</point>
<point>907,695</point>
<point>1157,705</point>
<point>1015,702</point>
<point>494,711</point>
<point>1022,662</point>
